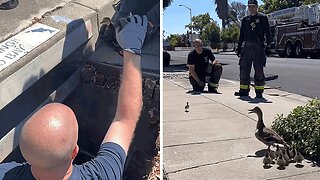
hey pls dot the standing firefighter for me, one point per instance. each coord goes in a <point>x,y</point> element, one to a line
<point>255,30</point>
<point>200,68</point>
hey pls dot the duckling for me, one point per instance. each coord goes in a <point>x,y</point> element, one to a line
<point>264,134</point>
<point>286,157</point>
<point>281,162</point>
<point>187,107</point>
<point>278,151</point>
<point>290,157</point>
<point>298,158</point>
<point>291,152</point>
<point>272,153</point>
<point>267,160</point>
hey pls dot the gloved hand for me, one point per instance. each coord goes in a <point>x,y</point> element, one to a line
<point>131,33</point>
<point>238,52</point>
<point>201,83</point>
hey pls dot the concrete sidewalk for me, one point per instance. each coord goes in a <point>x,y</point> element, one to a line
<point>215,140</point>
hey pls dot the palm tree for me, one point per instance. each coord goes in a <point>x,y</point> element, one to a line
<point>222,10</point>
<point>166,3</point>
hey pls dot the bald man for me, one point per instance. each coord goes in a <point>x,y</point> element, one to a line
<point>49,138</point>
<point>200,68</point>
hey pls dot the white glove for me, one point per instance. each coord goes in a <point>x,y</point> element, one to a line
<point>131,33</point>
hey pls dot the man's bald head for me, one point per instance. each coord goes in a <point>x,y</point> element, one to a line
<point>198,46</point>
<point>50,136</point>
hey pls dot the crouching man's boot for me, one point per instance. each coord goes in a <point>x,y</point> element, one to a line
<point>213,88</point>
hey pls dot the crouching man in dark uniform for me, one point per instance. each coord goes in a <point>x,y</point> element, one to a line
<point>255,29</point>
<point>200,68</point>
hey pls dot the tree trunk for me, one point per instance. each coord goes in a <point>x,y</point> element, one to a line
<point>223,23</point>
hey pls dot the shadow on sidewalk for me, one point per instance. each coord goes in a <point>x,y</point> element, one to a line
<point>176,68</point>
<point>258,154</point>
<point>254,100</point>
<point>199,93</point>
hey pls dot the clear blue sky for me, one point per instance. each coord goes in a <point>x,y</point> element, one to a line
<point>175,17</point>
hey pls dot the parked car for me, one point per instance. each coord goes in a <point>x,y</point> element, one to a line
<point>166,59</point>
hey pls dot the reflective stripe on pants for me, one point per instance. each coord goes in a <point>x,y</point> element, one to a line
<point>243,86</point>
<point>213,85</point>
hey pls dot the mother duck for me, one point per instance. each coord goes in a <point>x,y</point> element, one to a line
<point>264,134</point>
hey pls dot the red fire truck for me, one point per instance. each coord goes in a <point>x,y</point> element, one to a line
<point>296,31</point>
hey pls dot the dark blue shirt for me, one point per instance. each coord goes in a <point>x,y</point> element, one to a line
<point>108,164</point>
<point>200,61</point>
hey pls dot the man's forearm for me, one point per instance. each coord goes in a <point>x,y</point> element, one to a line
<point>194,75</point>
<point>130,38</point>
<point>129,103</point>
<point>130,92</point>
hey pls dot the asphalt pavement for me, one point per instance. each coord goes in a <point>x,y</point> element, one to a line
<point>298,76</point>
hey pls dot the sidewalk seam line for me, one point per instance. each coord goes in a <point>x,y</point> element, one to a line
<point>184,120</point>
<point>203,165</point>
<point>205,142</point>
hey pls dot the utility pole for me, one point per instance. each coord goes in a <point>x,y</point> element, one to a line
<point>191,43</point>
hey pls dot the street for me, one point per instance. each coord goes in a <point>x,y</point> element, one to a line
<point>299,76</point>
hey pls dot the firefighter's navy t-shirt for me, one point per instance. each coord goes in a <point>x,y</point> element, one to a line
<point>200,61</point>
<point>108,165</point>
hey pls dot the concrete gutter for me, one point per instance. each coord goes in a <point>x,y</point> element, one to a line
<point>77,34</point>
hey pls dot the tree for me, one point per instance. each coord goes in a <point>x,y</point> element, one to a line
<point>177,40</point>
<point>230,35</point>
<point>166,3</point>
<point>222,10</point>
<point>236,13</point>
<point>211,34</point>
<point>309,1</point>
<point>199,22</point>
<point>275,5</point>
<point>207,28</point>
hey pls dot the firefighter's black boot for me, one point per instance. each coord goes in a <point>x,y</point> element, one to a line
<point>241,93</point>
<point>259,96</point>
<point>259,91</point>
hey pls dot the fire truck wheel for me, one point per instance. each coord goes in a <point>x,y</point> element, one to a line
<point>288,50</point>
<point>298,50</point>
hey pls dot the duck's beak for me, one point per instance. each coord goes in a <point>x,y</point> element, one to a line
<point>251,111</point>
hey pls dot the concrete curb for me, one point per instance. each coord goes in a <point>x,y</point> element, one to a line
<point>76,35</point>
<point>85,25</point>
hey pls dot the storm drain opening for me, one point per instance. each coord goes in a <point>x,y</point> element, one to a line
<point>94,103</point>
